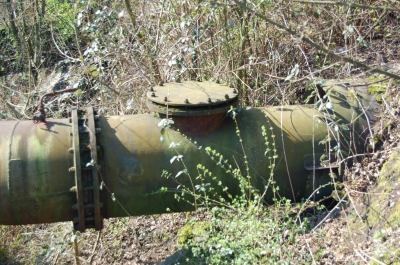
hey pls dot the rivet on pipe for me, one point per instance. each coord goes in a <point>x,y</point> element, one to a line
<point>71,169</point>
<point>71,150</point>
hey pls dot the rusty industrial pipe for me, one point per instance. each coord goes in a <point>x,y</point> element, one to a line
<point>59,170</point>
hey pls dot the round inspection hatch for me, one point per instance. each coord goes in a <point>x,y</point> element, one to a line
<point>192,98</point>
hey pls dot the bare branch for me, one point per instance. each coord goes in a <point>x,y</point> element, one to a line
<point>306,39</point>
<point>346,4</point>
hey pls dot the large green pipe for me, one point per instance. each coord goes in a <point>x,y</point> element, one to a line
<point>38,186</point>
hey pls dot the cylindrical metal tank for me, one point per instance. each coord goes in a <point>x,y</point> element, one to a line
<point>38,162</point>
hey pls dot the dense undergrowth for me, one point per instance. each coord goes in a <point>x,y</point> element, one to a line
<point>113,52</point>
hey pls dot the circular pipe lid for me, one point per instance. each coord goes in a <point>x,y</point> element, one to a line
<point>192,98</point>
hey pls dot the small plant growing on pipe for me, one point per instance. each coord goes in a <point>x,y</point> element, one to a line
<point>235,229</point>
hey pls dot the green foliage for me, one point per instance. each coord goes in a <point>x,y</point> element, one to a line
<point>60,14</point>
<point>239,228</point>
<point>248,234</point>
<point>193,231</point>
<point>3,255</point>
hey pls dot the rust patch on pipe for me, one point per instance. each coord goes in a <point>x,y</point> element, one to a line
<point>198,125</point>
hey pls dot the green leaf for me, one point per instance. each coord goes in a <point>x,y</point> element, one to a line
<point>180,173</point>
<point>90,164</point>
<point>345,127</point>
<point>78,93</point>
<point>178,157</point>
<point>95,73</point>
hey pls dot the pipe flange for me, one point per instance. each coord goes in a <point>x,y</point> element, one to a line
<point>192,98</point>
<point>85,165</point>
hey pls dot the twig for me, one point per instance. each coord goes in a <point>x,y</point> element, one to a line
<point>309,249</point>
<point>58,48</point>
<point>13,108</point>
<point>368,256</point>
<point>377,152</point>
<point>367,119</point>
<point>103,184</point>
<point>346,4</point>
<point>58,254</point>
<point>358,254</point>
<point>59,250</point>
<point>14,91</point>
<point>355,208</point>
<point>158,28</point>
<point>95,246</point>
<point>349,190</point>
<point>284,152</point>
<point>306,39</point>
<point>329,214</point>
<point>366,84</point>
<point>387,106</point>
<point>313,117</point>
<point>76,251</point>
